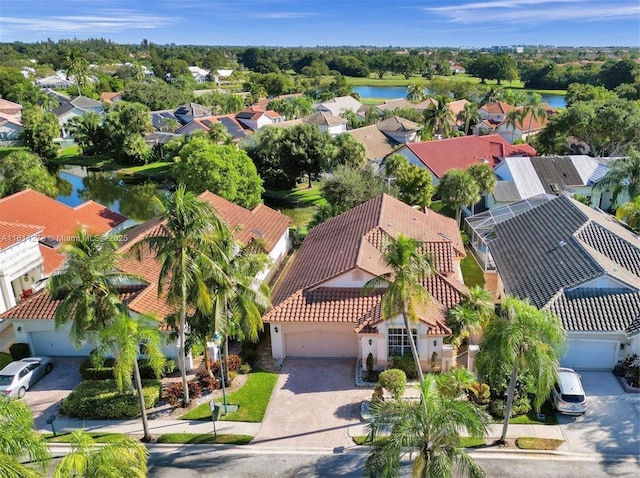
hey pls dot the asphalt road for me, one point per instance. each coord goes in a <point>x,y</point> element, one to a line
<point>199,462</point>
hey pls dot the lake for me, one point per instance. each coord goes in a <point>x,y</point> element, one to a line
<point>131,199</point>
<point>393,92</point>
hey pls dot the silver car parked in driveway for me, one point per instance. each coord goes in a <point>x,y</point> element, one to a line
<point>568,394</point>
<point>18,376</point>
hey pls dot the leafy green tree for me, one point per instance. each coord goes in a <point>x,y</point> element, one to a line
<point>458,188</point>
<point>77,68</point>
<point>618,72</point>
<point>522,339</point>
<point>19,439</point>
<point>264,147</point>
<point>492,67</point>
<point>415,92</point>
<point>222,169</point>
<point>484,177</point>
<point>438,118</point>
<point>122,456</point>
<point>182,249</point>
<point>413,185</point>
<point>629,212</point>
<point>471,315</point>
<point>124,128</point>
<point>304,149</point>
<point>219,134</point>
<point>623,175</point>
<point>348,152</point>
<point>22,170</point>
<point>88,286</point>
<point>429,427</point>
<point>492,95</point>
<point>88,133</point>
<point>348,187</point>
<point>123,338</point>
<point>404,294</point>
<point>156,95</point>
<point>41,128</point>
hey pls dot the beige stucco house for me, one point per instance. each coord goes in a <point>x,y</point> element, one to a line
<point>320,309</point>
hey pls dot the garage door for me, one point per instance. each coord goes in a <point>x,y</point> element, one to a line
<point>321,344</point>
<point>591,354</point>
<point>56,344</point>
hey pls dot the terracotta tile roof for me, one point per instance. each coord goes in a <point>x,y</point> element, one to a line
<point>498,107</point>
<point>261,222</point>
<point>12,233</point>
<point>442,155</point>
<point>57,220</point>
<point>108,96</point>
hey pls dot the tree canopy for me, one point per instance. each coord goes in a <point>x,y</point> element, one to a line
<point>22,170</point>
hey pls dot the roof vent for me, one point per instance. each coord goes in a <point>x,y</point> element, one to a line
<point>554,187</point>
<point>49,242</point>
<point>257,232</point>
<point>562,244</point>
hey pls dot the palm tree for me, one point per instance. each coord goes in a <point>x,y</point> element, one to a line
<point>87,132</point>
<point>47,101</point>
<point>78,67</point>
<point>183,252</point>
<point>629,212</point>
<point>415,92</point>
<point>438,117</point>
<point>405,294</point>
<point>88,286</point>
<point>513,118</point>
<point>484,177</point>
<point>123,338</point>
<point>534,109</point>
<point>122,456</point>
<point>429,427</point>
<point>469,116</point>
<point>493,95</point>
<point>471,315</point>
<point>458,188</point>
<point>623,175</point>
<point>522,339</point>
<point>19,439</point>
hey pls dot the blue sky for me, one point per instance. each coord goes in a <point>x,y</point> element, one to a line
<point>474,23</point>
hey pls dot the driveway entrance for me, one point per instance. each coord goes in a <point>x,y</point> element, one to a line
<point>313,404</point>
<point>612,422</point>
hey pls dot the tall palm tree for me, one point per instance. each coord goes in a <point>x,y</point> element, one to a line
<point>415,92</point>
<point>534,109</point>
<point>78,67</point>
<point>183,252</point>
<point>492,95</point>
<point>629,212</point>
<point>512,120</point>
<point>623,175</point>
<point>469,116</point>
<point>88,286</point>
<point>429,427</point>
<point>522,339</point>
<point>471,315</point>
<point>458,189</point>
<point>405,294</point>
<point>123,338</point>
<point>19,439</point>
<point>47,101</point>
<point>438,117</point>
<point>123,456</point>
<point>87,132</point>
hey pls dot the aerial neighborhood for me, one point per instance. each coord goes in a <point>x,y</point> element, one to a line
<point>317,247</point>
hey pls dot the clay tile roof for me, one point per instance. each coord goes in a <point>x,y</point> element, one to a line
<point>12,233</point>
<point>498,107</point>
<point>56,220</point>
<point>442,155</point>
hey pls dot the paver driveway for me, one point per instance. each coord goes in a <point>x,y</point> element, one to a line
<point>45,396</point>
<point>612,422</point>
<point>313,404</point>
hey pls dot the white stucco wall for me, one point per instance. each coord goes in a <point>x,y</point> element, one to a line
<point>353,279</point>
<point>20,259</point>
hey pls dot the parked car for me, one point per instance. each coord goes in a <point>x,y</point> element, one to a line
<point>17,377</point>
<point>568,395</point>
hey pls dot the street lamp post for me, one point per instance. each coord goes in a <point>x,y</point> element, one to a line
<point>217,339</point>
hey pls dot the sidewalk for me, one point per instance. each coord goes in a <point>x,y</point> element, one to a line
<point>156,427</point>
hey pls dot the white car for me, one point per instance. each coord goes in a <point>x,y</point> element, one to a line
<point>568,395</point>
<point>18,376</point>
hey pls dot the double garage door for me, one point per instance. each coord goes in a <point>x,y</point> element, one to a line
<point>591,354</point>
<point>56,344</point>
<point>323,340</point>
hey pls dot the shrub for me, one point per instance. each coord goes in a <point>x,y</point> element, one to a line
<point>479,393</point>
<point>378,394</point>
<point>232,376</point>
<point>245,368</point>
<point>19,350</point>
<point>521,406</point>
<point>101,400</point>
<point>394,381</point>
<point>207,382</point>
<point>249,352</point>
<point>406,364</point>
<point>369,363</point>
<point>89,371</point>
<point>233,362</point>
<point>174,392</point>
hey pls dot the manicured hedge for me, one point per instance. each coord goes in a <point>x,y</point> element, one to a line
<point>105,372</point>
<point>100,399</point>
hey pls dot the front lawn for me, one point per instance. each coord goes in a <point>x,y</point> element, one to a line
<point>5,359</point>
<point>532,418</point>
<point>252,400</point>
<point>533,443</point>
<point>300,203</point>
<point>465,442</point>
<point>471,271</point>
<point>204,439</point>
<point>99,437</point>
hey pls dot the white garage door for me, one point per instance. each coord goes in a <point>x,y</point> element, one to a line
<point>321,344</point>
<point>56,344</point>
<point>591,354</point>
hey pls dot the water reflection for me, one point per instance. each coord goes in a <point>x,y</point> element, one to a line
<point>131,199</point>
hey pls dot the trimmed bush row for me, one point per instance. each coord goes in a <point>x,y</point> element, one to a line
<point>100,399</point>
<point>105,372</point>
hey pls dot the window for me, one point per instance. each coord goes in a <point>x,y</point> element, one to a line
<point>398,342</point>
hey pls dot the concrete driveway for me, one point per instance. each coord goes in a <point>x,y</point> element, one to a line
<point>45,396</point>
<point>612,422</point>
<point>313,404</point>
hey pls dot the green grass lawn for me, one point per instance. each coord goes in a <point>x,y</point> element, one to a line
<point>533,443</point>
<point>99,437</point>
<point>531,418</point>
<point>471,271</point>
<point>157,170</point>
<point>202,439</point>
<point>465,442</point>
<point>252,400</point>
<point>5,359</point>
<point>300,203</point>
<point>444,209</point>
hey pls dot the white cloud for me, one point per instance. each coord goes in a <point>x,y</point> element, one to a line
<point>535,11</point>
